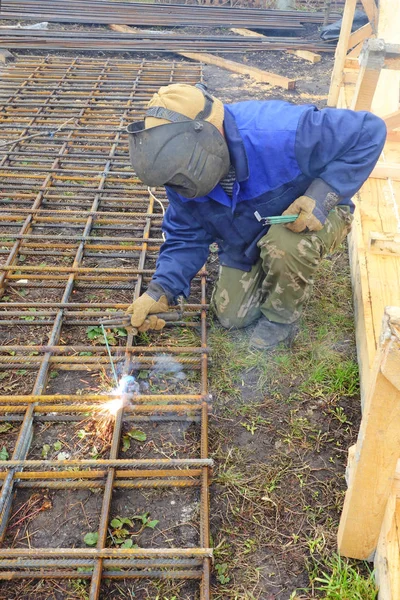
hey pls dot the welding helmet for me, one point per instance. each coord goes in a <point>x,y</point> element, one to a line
<point>186,152</point>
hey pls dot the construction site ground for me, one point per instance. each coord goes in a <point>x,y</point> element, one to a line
<point>279,432</point>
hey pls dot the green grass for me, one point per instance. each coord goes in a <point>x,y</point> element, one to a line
<point>283,497</point>
<point>343,581</point>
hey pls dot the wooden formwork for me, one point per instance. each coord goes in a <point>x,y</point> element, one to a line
<point>366,76</point>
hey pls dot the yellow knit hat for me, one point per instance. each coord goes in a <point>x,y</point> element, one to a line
<point>187,100</point>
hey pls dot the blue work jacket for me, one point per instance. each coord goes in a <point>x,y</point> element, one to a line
<point>277,150</point>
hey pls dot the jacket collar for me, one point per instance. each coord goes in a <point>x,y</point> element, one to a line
<point>236,147</point>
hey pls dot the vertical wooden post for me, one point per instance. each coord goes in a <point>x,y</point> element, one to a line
<point>372,59</point>
<point>341,51</point>
<point>373,468</point>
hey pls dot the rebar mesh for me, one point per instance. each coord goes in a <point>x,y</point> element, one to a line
<point>79,239</point>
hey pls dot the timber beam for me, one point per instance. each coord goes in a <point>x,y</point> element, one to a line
<point>377,450</point>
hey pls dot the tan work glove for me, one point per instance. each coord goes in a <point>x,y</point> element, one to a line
<point>303,207</point>
<point>142,307</point>
<point>313,208</point>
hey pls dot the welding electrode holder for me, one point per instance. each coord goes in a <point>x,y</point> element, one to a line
<point>124,320</point>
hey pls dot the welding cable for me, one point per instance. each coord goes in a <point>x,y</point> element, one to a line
<point>42,133</point>
<point>34,135</point>
<point>162,207</point>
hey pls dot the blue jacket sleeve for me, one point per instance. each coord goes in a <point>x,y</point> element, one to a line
<point>184,251</point>
<point>339,147</point>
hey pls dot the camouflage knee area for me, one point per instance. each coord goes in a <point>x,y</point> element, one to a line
<point>237,296</point>
<point>294,254</point>
<point>290,260</point>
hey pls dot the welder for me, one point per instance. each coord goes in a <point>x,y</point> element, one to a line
<point>227,169</point>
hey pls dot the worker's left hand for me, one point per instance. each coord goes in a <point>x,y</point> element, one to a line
<point>307,220</point>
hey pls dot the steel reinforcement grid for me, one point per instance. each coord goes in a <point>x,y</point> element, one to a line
<point>79,237</point>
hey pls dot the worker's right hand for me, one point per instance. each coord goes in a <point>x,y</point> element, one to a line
<point>144,306</point>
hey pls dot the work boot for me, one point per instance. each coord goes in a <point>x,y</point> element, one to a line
<point>268,334</point>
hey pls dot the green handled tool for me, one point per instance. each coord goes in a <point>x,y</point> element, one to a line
<point>275,220</point>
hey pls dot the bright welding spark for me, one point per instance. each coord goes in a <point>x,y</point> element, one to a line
<point>127,385</point>
<point>112,406</point>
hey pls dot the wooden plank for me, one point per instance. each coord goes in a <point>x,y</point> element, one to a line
<point>393,120</point>
<point>372,12</point>
<point>386,98</point>
<point>6,57</point>
<point>360,35</point>
<point>341,51</point>
<point>354,53</point>
<point>384,243</point>
<point>379,212</point>
<point>365,88</point>
<point>377,450</point>
<point>387,556</point>
<point>253,72</point>
<point>383,271</point>
<point>123,28</point>
<point>350,77</point>
<point>388,22</point>
<point>351,62</point>
<point>383,170</point>
<point>351,454</point>
<point>306,54</point>
<point>246,32</point>
<point>363,314</point>
<point>372,59</point>
<point>312,57</point>
<point>230,65</point>
<point>392,62</point>
<point>393,136</point>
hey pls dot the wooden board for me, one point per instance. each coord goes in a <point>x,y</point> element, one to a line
<point>306,54</point>
<point>253,72</point>
<point>246,32</point>
<point>372,12</point>
<point>123,28</point>
<point>341,51</point>
<point>376,277</point>
<point>383,170</point>
<point>384,243</point>
<point>370,519</point>
<point>360,35</point>
<point>6,57</point>
<point>387,557</point>
<point>373,468</point>
<point>393,120</point>
<point>230,65</point>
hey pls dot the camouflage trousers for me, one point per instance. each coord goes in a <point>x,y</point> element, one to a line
<point>280,283</point>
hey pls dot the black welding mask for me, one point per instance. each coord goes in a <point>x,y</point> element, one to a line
<point>189,155</point>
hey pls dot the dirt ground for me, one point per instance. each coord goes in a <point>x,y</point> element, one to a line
<point>279,433</point>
